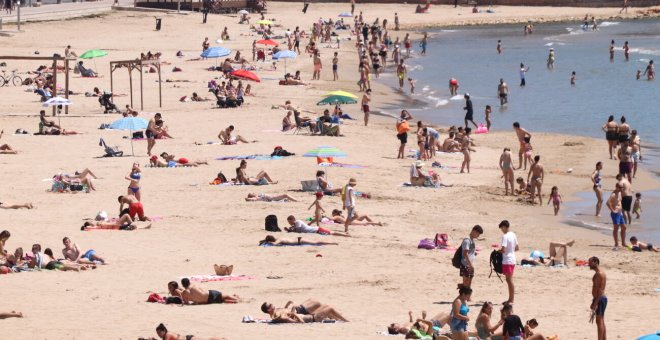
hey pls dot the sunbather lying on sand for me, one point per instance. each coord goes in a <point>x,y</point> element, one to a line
<point>123,223</point>
<point>309,311</point>
<point>171,161</point>
<point>262,177</point>
<point>338,218</point>
<point>165,335</point>
<point>72,253</point>
<point>49,262</point>
<point>5,148</point>
<point>269,198</point>
<point>412,329</point>
<point>12,314</point>
<point>5,205</point>
<point>298,226</point>
<point>194,295</point>
<point>271,240</point>
<point>557,250</point>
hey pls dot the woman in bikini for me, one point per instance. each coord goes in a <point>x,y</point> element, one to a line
<point>598,187</point>
<point>134,177</point>
<point>611,129</point>
<point>408,328</point>
<point>466,149</point>
<point>271,240</point>
<point>484,328</point>
<point>357,220</point>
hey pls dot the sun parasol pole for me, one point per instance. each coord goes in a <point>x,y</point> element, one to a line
<point>130,135</point>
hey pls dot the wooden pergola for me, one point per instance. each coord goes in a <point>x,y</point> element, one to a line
<point>54,59</point>
<point>136,64</point>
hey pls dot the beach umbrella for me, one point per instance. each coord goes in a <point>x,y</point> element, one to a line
<point>215,52</point>
<point>264,22</point>
<point>244,74</point>
<point>336,99</point>
<point>345,15</point>
<point>93,54</point>
<point>268,42</point>
<point>325,152</point>
<point>56,101</point>
<point>243,12</point>
<point>131,124</point>
<point>340,93</point>
<point>654,336</point>
<point>286,54</point>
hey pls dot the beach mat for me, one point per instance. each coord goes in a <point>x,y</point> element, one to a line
<point>252,157</point>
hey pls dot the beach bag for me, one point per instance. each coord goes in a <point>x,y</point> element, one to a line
<point>496,259</point>
<point>138,135</point>
<point>271,223</point>
<point>426,243</point>
<point>441,240</point>
<point>155,298</point>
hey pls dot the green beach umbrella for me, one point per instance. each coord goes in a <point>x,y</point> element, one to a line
<point>340,93</point>
<point>93,54</point>
<point>337,99</point>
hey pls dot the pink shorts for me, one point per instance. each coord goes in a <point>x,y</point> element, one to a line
<point>507,269</point>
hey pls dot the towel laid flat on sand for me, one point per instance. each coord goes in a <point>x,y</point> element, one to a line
<point>213,278</point>
<point>253,157</point>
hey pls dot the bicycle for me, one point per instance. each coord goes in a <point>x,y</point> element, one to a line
<point>4,79</point>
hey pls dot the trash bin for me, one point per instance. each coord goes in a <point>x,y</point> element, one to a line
<point>158,23</point>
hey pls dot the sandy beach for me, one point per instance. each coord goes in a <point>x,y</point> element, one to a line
<point>373,278</point>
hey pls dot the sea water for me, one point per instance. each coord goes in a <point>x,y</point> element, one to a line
<point>548,102</point>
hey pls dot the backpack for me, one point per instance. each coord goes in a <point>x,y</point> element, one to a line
<point>271,223</point>
<point>456,261</point>
<point>496,259</point>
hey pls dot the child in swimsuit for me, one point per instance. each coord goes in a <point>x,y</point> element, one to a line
<point>637,206</point>
<point>318,209</point>
<point>555,197</point>
<point>529,155</point>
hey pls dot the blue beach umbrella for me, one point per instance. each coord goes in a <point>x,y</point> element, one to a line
<point>654,336</point>
<point>286,54</point>
<point>131,124</point>
<point>215,52</point>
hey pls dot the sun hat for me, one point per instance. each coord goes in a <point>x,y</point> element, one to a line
<point>419,164</point>
<point>352,181</point>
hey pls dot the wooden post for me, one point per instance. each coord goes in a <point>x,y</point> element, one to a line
<point>112,90</point>
<point>130,81</point>
<point>54,84</point>
<point>66,83</point>
<point>141,94</point>
<point>160,88</point>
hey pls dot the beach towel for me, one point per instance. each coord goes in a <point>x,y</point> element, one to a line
<point>342,165</point>
<point>214,278</point>
<point>252,157</point>
<point>289,245</point>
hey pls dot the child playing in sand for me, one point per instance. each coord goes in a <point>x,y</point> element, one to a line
<point>529,155</point>
<point>639,246</point>
<point>412,85</point>
<point>637,206</point>
<point>523,187</point>
<point>555,197</point>
<point>318,209</point>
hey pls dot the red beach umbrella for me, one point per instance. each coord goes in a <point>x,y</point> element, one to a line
<point>244,74</point>
<point>267,42</point>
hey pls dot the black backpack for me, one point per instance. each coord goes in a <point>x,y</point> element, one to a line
<point>496,259</point>
<point>271,223</point>
<point>458,256</point>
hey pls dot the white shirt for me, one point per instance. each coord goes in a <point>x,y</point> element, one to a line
<point>300,227</point>
<point>522,73</point>
<point>350,197</point>
<point>509,243</point>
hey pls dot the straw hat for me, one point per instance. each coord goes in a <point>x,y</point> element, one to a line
<point>352,181</point>
<point>419,164</point>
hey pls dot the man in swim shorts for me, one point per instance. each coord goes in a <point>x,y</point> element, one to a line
<point>503,91</point>
<point>72,253</point>
<point>626,196</point>
<point>599,302</point>
<point>134,207</point>
<point>151,132</point>
<point>618,220</point>
<point>469,111</point>
<point>196,296</point>
<point>366,98</point>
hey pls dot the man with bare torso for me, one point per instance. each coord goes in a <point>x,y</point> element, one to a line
<point>537,175</point>
<point>521,134</point>
<point>626,196</point>
<point>151,132</point>
<point>599,302</point>
<point>450,144</point>
<point>506,165</point>
<point>134,207</point>
<point>616,213</point>
<point>626,159</point>
<point>197,296</point>
<point>72,253</point>
<point>636,145</point>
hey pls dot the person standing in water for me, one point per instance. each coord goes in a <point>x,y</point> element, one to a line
<point>503,92</point>
<point>499,46</point>
<point>453,86</point>
<point>522,71</point>
<point>551,59</point>
<point>573,78</point>
<point>487,113</point>
<point>650,71</point>
<point>612,50</point>
<point>626,50</point>
<point>424,42</point>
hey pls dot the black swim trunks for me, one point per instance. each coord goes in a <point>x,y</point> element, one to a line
<point>214,297</point>
<point>465,271</point>
<point>611,135</point>
<point>403,137</point>
<point>626,203</point>
<point>189,337</point>
<point>150,134</point>
<point>623,137</point>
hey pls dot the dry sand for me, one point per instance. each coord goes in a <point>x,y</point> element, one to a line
<point>373,278</point>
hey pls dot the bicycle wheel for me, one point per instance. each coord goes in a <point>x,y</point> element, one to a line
<point>3,81</point>
<point>17,81</point>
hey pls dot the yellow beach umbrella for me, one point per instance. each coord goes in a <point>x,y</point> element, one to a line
<point>340,93</point>
<point>264,22</point>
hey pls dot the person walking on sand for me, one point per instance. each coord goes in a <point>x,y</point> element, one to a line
<point>317,67</point>
<point>466,144</point>
<point>555,197</point>
<point>625,7</point>
<point>618,221</point>
<point>599,302</point>
<point>402,128</point>
<point>537,175</point>
<point>596,179</point>
<point>522,73</point>
<point>469,251</point>
<point>506,165</point>
<point>366,98</point>
<point>348,197</point>
<point>469,111</point>
<point>521,134</point>
<point>509,246</point>
<point>151,132</point>
<point>503,92</point>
